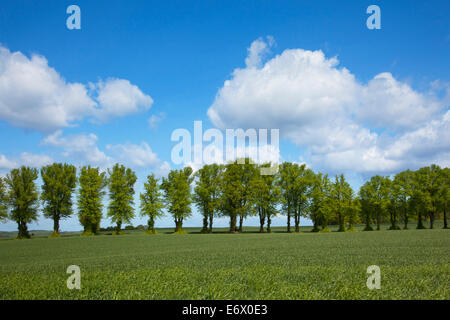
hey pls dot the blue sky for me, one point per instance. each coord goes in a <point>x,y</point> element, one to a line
<point>386,111</point>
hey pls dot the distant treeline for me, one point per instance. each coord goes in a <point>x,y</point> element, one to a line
<point>236,190</point>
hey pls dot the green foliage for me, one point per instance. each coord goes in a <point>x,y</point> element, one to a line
<point>401,196</point>
<point>375,200</point>
<point>342,202</point>
<point>237,191</point>
<point>54,235</point>
<point>3,200</point>
<point>296,184</point>
<point>207,192</point>
<point>59,182</point>
<point>121,191</point>
<point>87,234</point>
<point>320,205</point>
<point>92,184</point>
<point>180,231</point>
<point>427,183</point>
<point>23,198</point>
<point>266,197</point>
<point>151,202</point>
<point>177,194</point>
<point>444,194</point>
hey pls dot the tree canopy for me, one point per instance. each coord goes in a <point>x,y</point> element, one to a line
<point>59,182</point>
<point>23,198</point>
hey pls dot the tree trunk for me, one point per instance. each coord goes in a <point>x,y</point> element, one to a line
<point>431,219</point>
<point>297,222</point>
<point>419,222</point>
<point>315,225</point>
<point>56,225</point>
<point>405,215</point>
<point>119,226</point>
<point>95,227</point>
<point>211,217</point>
<point>23,230</point>
<point>368,226</point>
<point>445,218</point>
<point>241,221</point>
<point>178,225</point>
<point>262,220</point>
<point>341,222</point>
<point>205,224</point>
<point>269,230</point>
<point>233,223</point>
<point>378,221</point>
<point>289,218</point>
<point>151,224</point>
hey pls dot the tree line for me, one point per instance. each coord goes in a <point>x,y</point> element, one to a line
<point>235,190</point>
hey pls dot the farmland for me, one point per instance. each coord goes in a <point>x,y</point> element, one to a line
<point>414,264</point>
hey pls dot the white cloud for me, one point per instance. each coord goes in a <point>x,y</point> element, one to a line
<point>258,49</point>
<point>35,160</point>
<point>7,164</point>
<point>118,98</point>
<point>341,123</point>
<point>79,148</point>
<point>83,149</point>
<point>386,102</point>
<point>25,159</point>
<point>33,95</point>
<point>139,156</point>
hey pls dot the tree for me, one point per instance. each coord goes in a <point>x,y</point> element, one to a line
<point>177,194</point>
<point>92,184</point>
<point>206,193</point>
<point>59,182</point>
<point>250,172</point>
<point>401,186</point>
<point>444,194</point>
<point>151,202</point>
<point>429,180</point>
<point>236,191</point>
<point>301,188</point>
<point>365,200</point>
<point>320,202</point>
<point>341,200</point>
<point>353,213</point>
<point>121,191</point>
<point>375,199</point>
<point>23,198</point>
<point>286,182</point>
<point>3,200</point>
<point>266,196</point>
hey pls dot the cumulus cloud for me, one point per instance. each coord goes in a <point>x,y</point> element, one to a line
<point>258,49</point>
<point>6,163</point>
<point>33,95</point>
<point>342,124</point>
<point>118,97</point>
<point>83,149</point>
<point>25,159</point>
<point>386,102</point>
<point>79,147</point>
<point>140,156</point>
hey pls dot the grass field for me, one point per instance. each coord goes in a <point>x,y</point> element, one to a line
<point>414,264</point>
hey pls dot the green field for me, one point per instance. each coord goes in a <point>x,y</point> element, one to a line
<point>414,264</point>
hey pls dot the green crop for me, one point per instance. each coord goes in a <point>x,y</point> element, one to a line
<point>414,265</point>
